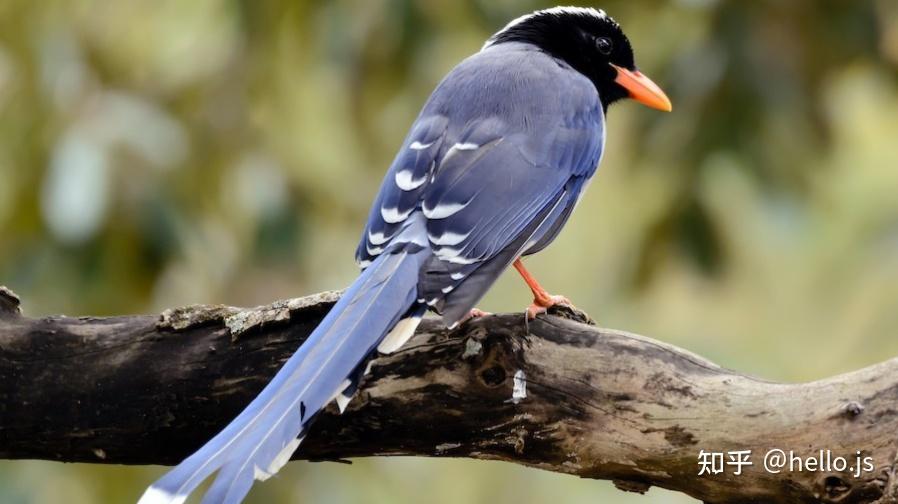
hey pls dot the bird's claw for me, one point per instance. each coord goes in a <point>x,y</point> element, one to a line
<point>472,314</point>
<point>543,303</point>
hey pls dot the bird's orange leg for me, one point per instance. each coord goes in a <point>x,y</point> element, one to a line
<point>542,300</point>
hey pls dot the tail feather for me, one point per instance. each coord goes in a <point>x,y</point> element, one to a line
<point>403,330</point>
<point>264,436</point>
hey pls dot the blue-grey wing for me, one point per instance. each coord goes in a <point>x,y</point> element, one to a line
<point>403,187</point>
<point>497,194</point>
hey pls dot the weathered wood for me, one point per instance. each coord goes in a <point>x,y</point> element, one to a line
<point>9,302</point>
<point>598,403</point>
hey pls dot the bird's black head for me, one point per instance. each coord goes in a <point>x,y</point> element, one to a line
<point>593,44</point>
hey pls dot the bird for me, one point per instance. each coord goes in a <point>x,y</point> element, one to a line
<point>489,172</point>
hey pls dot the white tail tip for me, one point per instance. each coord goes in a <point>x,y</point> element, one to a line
<point>401,333</point>
<point>155,495</point>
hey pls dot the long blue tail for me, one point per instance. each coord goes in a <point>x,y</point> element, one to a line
<point>264,436</point>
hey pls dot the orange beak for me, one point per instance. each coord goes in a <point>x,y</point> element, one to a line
<point>642,89</point>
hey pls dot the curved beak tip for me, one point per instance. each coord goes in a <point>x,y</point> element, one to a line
<point>642,89</point>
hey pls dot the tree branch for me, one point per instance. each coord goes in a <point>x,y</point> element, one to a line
<point>554,394</point>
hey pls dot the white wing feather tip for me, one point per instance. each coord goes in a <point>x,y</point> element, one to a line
<point>453,256</point>
<point>443,210</point>
<point>378,238</point>
<point>416,145</point>
<point>393,215</point>
<point>406,180</point>
<point>448,238</point>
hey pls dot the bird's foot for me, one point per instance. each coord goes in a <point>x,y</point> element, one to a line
<point>541,304</point>
<point>473,314</point>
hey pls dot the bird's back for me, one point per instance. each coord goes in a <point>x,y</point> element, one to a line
<point>516,83</point>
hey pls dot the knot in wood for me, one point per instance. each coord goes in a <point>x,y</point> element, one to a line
<point>493,375</point>
<point>853,409</point>
<point>835,488</point>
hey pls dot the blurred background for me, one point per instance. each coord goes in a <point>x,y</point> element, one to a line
<point>158,153</point>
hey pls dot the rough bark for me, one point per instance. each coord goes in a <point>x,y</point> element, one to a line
<point>604,404</point>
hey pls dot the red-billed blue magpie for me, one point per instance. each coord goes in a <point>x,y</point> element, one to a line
<point>489,172</point>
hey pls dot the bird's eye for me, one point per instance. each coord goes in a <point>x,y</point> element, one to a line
<point>603,44</point>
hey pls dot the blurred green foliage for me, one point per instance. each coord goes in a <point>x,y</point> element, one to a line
<point>157,153</point>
